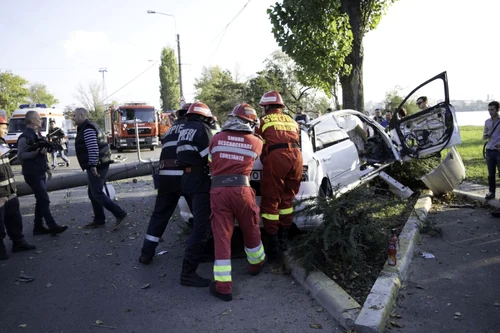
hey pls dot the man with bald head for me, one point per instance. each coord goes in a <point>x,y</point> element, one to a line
<point>94,156</point>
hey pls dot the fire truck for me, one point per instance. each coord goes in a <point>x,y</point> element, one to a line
<point>119,125</point>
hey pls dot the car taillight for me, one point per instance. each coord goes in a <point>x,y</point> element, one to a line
<point>305,173</point>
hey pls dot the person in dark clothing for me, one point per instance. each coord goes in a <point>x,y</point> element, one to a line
<point>56,135</point>
<point>300,116</point>
<point>36,172</point>
<point>192,156</point>
<point>94,156</point>
<point>169,188</point>
<point>10,213</point>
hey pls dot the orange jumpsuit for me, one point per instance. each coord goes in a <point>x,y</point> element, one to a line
<point>231,156</point>
<point>282,169</point>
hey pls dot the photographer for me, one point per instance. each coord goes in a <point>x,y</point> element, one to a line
<point>32,152</point>
<point>56,135</point>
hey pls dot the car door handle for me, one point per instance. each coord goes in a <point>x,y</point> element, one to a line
<point>327,158</point>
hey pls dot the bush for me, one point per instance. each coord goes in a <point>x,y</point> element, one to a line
<point>409,173</point>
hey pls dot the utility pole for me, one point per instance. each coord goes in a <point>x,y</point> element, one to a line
<point>179,60</point>
<point>104,93</point>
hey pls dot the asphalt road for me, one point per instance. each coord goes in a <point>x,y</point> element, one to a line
<point>84,278</point>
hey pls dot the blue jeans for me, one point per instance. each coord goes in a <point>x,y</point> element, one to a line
<point>99,199</point>
<point>42,207</point>
<point>493,163</point>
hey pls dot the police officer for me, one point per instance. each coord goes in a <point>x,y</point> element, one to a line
<point>232,154</point>
<point>169,189</point>
<point>10,214</point>
<point>192,155</point>
<point>282,171</point>
<point>36,172</point>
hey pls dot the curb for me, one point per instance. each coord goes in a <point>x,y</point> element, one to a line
<point>372,316</point>
<point>479,197</point>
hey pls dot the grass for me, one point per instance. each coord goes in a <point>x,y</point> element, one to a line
<point>471,151</point>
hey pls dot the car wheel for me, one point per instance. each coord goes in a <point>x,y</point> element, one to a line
<point>325,190</point>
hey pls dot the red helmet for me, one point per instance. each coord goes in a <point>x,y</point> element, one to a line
<point>201,109</point>
<point>246,112</point>
<point>271,98</point>
<point>3,117</point>
<point>185,106</point>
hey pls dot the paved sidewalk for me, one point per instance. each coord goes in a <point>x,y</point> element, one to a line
<point>458,291</point>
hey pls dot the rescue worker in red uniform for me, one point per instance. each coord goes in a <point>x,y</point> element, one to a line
<point>282,171</point>
<point>192,156</point>
<point>232,154</point>
<point>169,188</point>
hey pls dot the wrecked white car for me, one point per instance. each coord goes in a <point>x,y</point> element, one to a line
<point>344,149</point>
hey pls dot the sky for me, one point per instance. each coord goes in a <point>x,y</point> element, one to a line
<point>63,44</point>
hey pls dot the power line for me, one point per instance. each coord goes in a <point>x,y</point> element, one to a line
<point>223,32</point>
<point>129,82</point>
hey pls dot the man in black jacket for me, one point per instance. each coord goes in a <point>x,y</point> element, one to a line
<point>56,136</point>
<point>36,172</point>
<point>94,156</point>
<point>10,214</point>
<point>169,188</point>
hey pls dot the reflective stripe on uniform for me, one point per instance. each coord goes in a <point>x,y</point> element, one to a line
<point>153,238</point>
<point>171,172</point>
<point>7,182</point>
<point>169,144</point>
<point>241,151</point>
<point>222,270</point>
<point>272,217</point>
<point>186,147</point>
<point>274,123</point>
<point>286,211</point>
<point>204,152</point>
<point>255,255</point>
<point>4,160</point>
<point>210,157</point>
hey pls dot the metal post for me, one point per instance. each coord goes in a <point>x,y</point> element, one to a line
<point>179,59</point>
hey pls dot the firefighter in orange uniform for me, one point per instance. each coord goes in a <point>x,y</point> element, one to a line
<point>282,171</point>
<point>232,154</point>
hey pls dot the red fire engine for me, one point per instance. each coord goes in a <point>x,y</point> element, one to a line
<point>120,122</point>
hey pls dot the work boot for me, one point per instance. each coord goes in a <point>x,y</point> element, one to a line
<point>40,230</point>
<point>22,245</point>
<point>273,248</point>
<point>283,239</point>
<point>190,278</point>
<point>224,297</point>
<point>58,229</point>
<point>3,251</point>
<point>145,259</point>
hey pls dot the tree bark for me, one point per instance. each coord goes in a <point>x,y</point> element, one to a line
<point>352,84</point>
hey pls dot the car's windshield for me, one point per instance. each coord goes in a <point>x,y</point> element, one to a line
<point>144,115</point>
<point>18,125</point>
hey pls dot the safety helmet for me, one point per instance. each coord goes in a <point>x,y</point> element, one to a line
<point>3,117</point>
<point>246,112</point>
<point>200,109</point>
<point>184,108</point>
<point>271,98</point>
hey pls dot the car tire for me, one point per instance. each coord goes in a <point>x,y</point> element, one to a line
<point>325,190</point>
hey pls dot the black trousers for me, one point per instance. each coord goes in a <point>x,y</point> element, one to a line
<point>42,207</point>
<point>202,228</point>
<point>10,218</point>
<point>164,208</point>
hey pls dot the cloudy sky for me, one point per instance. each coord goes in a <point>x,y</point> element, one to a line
<point>64,43</point>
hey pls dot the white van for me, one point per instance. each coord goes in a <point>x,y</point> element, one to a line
<point>17,122</point>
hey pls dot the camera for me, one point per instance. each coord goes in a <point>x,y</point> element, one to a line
<point>42,143</point>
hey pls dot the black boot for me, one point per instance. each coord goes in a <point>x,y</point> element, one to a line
<point>22,245</point>
<point>40,230</point>
<point>190,278</point>
<point>224,297</point>
<point>3,251</point>
<point>272,249</point>
<point>283,239</point>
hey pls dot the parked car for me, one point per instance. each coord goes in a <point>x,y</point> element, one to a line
<point>344,149</point>
<point>71,134</point>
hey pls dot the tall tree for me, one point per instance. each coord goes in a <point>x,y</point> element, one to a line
<point>219,91</point>
<point>90,98</point>
<point>325,38</point>
<point>169,80</point>
<point>39,94</point>
<point>13,91</point>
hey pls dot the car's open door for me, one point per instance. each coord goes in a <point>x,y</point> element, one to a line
<point>430,130</point>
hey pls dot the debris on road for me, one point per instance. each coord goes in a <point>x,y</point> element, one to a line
<point>428,255</point>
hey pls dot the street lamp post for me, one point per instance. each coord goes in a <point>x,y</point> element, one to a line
<point>178,47</point>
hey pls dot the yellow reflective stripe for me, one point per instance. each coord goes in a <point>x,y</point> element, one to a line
<point>222,269</point>
<point>263,141</point>
<point>210,157</point>
<point>255,255</point>
<point>272,217</point>
<point>278,123</point>
<point>226,278</point>
<point>286,211</point>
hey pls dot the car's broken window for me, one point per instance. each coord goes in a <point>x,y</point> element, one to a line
<point>327,133</point>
